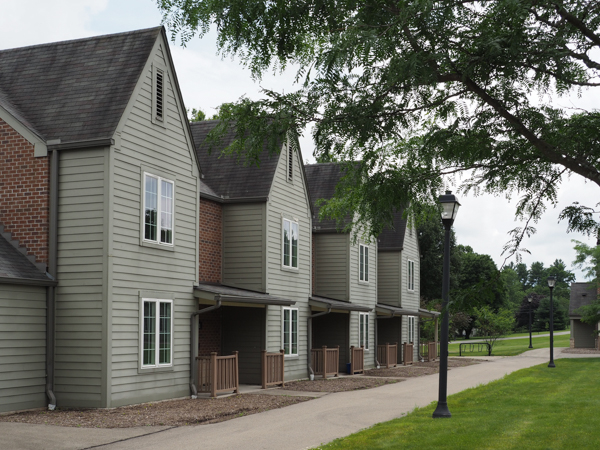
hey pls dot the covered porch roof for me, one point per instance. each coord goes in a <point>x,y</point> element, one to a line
<point>209,294</point>
<point>395,311</point>
<point>324,303</point>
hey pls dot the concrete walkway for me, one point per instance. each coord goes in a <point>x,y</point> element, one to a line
<point>299,426</point>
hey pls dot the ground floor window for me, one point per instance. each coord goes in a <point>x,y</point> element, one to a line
<point>290,331</point>
<point>411,329</point>
<point>363,330</point>
<point>157,336</point>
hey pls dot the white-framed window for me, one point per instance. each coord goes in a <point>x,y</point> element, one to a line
<point>289,237</point>
<point>411,275</point>
<point>363,330</point>
<point>363,264</point>
<point>159,201</point>
<point>156,338</point>
<point>411,329</point>
<point>290,331</point>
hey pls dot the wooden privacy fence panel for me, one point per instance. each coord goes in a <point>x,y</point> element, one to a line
<point>325,361</point>
<point>387,355</point>
<point>357,360</point>
<point>273,368</point>
<point>407,352</point>
<point>218,373</point>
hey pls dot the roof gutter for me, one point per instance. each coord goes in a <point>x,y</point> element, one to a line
<point>218,199</point>
<point>56,144</point>
<point>194,344</point>
<point>28,281</point>
<point>309,326</point>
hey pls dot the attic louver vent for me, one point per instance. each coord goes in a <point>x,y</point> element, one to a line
<point>290,163</point>
<point>159,95</point>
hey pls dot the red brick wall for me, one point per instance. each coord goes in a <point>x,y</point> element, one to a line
<point>24,192</point>
<point>211,218</point>
<point>209,335</point>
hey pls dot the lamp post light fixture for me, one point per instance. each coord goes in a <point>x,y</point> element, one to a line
<point>551,283</point>
<point>529,300</point>
<point>450,206</point>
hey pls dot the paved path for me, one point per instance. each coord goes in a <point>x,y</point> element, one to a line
<point>299,426</point>
<point>475,341</point>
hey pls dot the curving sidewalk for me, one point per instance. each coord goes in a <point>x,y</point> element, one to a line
<point>299,426</point>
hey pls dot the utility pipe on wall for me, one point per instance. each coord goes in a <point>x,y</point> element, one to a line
<point>52,270</point>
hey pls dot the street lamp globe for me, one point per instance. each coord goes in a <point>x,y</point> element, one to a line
<point>450,206</point>
<point>551,281</point>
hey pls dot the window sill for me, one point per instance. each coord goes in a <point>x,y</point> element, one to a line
<point>167,247</point>
<point>290,269</point>
<point>366,283</point>
<point>292,356</point>
<point>154,369</point>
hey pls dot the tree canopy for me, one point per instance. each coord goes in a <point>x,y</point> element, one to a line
<point>419,91</point>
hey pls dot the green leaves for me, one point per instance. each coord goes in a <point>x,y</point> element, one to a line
<point>420,92</point>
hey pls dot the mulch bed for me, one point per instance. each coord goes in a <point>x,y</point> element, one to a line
<point>418,369</point>
<point>337,384</point>
<point>168,413</point>
<point>582,351</point>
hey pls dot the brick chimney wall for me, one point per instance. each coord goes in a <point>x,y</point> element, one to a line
<point>211,237</point>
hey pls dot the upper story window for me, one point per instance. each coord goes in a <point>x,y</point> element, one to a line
<point>158,209</point>
<point>363,330</point>
<point>411,275</point>
<point>411,329</point>
<point>156,333</point>
<point>290,331</point>
<point>363,269</point>
<point>290,244</point>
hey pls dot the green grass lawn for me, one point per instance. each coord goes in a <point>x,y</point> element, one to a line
<point>513,346</point>
<point>533,333</point>
<point>535,408</point>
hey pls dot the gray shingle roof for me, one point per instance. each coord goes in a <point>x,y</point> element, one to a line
<point>74,90</point>
<point>15,265</point>
<point>224,175</point>
<point>322,180</point>
<point>581,294</point>
<point>393,239</point>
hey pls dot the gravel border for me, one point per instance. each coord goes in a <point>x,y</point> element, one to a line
<point>582,351</point>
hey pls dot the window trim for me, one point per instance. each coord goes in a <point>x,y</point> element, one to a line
<point>157,365</point>
<point>290,266</point>
<point>411,329</point>
<point>291,331</point>
<point>410,275</point>
<point>365,273</point>
<point>366,331</point>
<point>157,242</point>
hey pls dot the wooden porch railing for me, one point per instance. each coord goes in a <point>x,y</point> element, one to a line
<point>407,353</point>
<point>432,351</point>
<point>218,373</point>
<point>325,361</point>
<point>273,368</point>
<point>387,355</point>
<point>357,360</point>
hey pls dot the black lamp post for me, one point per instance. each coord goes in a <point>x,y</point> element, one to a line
<point>551,283</point>
<point>450,206</point>
<point>529,300</point>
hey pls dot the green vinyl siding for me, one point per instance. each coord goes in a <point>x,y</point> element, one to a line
<point>22,347</point>
<point>155,271</point>
<point>331,265</point>
<point>288,199</point>
<point>389,278</point>
<point>243,246</point>
<point>79,295</point>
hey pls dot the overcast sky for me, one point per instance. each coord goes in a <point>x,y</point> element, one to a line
<point>207,80</point>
